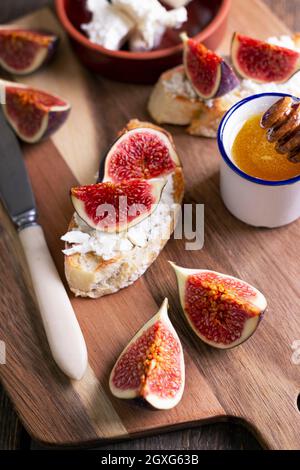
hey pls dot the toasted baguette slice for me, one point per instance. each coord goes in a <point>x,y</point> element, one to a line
<point>173,100</point>
<point>90,275</point>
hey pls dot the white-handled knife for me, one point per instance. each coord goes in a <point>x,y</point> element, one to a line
<point>62,329</point>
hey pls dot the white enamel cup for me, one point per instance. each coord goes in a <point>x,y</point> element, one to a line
<point>255,201</point>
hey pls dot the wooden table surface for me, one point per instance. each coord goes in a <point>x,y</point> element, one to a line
<point>212,436</point>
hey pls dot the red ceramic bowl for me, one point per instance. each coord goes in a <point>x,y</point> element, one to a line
<point>207,23</point>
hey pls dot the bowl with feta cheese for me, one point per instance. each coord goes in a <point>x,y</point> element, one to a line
<point>135,41</point>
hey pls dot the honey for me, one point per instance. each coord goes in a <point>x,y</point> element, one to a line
<point>254,155</point>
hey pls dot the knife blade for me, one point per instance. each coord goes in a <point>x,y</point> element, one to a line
<point>61,326</point>
<point>15,188</point>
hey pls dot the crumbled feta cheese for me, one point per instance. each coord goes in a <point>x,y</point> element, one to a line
<point>94,5</point>
<point>76,237</point>
<point>179,85</point>
<point>109,27</point>
<point>84,239</point>
<point>144,22</point>
<point>177,3</point>
<point>151,20</point>
<point>249,87</point>
<point>152,11</point>
<point>283,41</point>
<point>147,36</point>
<point>138,234</point>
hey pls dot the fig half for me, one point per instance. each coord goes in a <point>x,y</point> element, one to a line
<point>222,310</point>
<point>151,367</point>
<point>23,51</point>
<point>263,62</point>
<point>33,114</point>
<point>209,74</point>
<point>115,207</point>
<point>144,152</point>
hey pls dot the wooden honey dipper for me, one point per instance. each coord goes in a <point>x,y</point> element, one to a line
<point>282,121</point>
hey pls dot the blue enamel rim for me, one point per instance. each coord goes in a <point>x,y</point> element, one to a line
<point>223,152</point>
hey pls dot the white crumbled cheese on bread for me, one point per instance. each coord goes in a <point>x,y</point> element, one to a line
<point>102,244</point>
<point>179,85</point>
<point>283,41</point>
<point>83,239</point>
<point>143,22</point>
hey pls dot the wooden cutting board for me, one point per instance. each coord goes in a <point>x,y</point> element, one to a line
<point>256,382</point>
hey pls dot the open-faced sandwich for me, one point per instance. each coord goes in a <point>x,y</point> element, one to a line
<point>123,222</point>
<point>198,93</point>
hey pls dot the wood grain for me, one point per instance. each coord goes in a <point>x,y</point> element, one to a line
<point>10,10</point>
<point>288,10</point>
<point>120,99</point>
<point>11,429</point>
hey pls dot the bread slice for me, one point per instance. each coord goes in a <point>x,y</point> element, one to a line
<point>92,275</point>
<point>173,100</point>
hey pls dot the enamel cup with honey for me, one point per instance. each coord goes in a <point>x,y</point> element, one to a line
<point>258,185</point>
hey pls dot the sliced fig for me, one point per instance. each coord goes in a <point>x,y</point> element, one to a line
<point>115,207</point>
<point>263,62</point>
<point>22,51</point>
<point>140,153</point>
<point>33,114</point>
<point>222,310</point>
<point>209,74</point>
<point>151,367</point>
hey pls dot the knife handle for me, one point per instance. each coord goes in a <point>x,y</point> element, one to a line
<point>62,329</point>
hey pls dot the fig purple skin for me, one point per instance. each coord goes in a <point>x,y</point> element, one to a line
<point>208,73</point>
<point>228,80</point>
<point>56,120</point>
<point>52,48</point>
